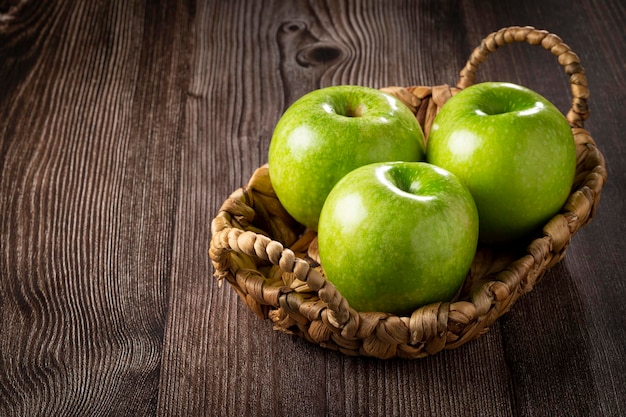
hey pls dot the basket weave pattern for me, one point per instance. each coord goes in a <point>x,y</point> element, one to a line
<point>271,261</point>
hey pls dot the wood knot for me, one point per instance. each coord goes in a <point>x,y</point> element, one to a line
<point>321,53</point>
<point>307,49</point>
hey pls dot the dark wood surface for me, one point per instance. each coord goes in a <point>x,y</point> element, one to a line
<point>125,124</point>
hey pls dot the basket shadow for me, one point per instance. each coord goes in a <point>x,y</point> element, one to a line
<point>545,338</point>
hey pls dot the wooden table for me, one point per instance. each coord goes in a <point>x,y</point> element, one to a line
<point>126,124</point>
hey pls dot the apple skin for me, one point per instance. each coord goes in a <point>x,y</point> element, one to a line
<point>513,149</point>
<point>331,131</point>
<point>394,236</point>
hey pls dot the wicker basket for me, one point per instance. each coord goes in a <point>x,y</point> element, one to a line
<point>271,261</point>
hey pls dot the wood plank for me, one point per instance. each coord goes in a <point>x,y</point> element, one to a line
<point>89,188</point>
<point>573,348</point>
<point>218,356</point>
<point>240,348</point>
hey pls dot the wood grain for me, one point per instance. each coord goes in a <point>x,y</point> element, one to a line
<point>89,188</point>
<point>126,124</point>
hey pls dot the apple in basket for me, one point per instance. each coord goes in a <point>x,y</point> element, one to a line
<point>513,149</point>
<point>329,132</point>
<point>394,236</point>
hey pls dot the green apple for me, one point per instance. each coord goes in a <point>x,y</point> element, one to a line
<point>513,149</point>
<point>394,236</point>
<point>331,131</point>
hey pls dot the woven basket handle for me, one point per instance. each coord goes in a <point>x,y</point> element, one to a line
<point>551,42</point>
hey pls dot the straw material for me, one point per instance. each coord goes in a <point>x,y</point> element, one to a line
<point>272,263</point>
